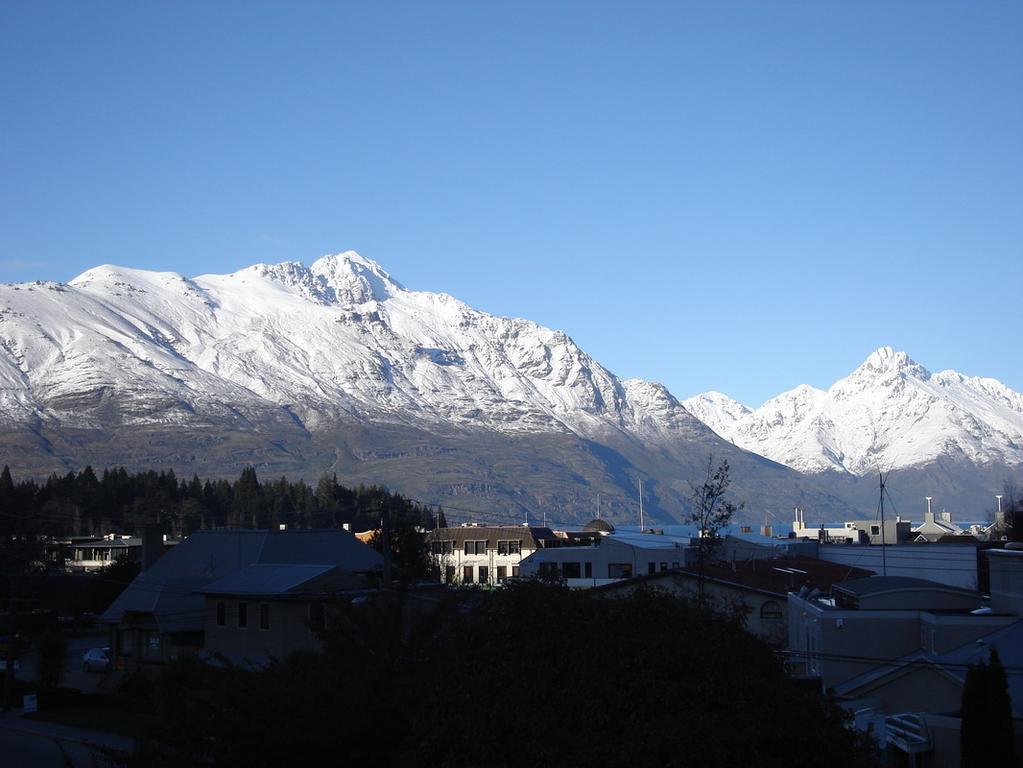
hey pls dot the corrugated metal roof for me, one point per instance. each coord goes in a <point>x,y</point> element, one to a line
<point>873,585</point>
<point>530,536</point>
<point>265,579</point>
<point>170,588</point>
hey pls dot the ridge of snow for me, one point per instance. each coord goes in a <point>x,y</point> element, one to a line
<point>890,412</point>
<point>338,338</point>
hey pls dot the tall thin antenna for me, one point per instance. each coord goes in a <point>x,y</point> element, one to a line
<point>641,523</point>
<point>545,518</point>
<point>884,564</point>
<point>598,506</point>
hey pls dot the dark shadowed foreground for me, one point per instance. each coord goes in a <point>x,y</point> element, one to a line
<point>530,675</point>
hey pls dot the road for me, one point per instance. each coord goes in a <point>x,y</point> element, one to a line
<point>74,675</point>
<point>41,745</point>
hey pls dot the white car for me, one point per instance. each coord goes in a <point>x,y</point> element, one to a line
<point>96,660</point>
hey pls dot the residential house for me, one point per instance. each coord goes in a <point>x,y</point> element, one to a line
<point>94,553</point>
<point>894,531</point>
<point>932,529</point>
<point>166,611</point>
<point>485,555</point>
<point>897,649</point>
<point>757,589</point>
<point>610,558</point>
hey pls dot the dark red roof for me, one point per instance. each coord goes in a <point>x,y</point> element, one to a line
<point>780,575</point>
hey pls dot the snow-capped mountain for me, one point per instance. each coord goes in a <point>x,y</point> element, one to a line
<point>336,367</point>
<point>340,337</point>
<point>890,413</point>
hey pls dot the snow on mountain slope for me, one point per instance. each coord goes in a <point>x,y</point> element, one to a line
<point>337,339</point>
<point>717,411</point>
<point>888,413</point>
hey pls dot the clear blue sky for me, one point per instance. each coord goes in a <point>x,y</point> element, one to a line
<point>737,196</point>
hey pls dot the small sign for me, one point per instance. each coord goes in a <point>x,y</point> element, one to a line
<point>30,703</point>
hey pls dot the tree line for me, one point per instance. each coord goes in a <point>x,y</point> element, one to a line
<point>86,504</point>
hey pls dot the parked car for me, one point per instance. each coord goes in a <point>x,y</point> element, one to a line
<point>96,660</point>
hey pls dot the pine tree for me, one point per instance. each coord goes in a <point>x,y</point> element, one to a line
<point>986,734</point>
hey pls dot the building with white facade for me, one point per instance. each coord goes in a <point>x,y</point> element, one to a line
<point>485,555</point>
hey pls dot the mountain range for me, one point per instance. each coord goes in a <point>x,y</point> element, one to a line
<point>337,367</point>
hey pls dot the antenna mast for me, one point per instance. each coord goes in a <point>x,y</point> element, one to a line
<point>884,564</point>
<point>641,524</point>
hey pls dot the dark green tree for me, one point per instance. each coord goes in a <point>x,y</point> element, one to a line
<point>986,731</point>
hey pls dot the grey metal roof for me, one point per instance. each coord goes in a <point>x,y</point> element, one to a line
<point>265,579</point>
<point>530,536</point>
<point>170,589</point>
<point>874,585</point>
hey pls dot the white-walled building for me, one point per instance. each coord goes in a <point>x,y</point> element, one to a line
<point>615,557</point>
<point>485,555</point>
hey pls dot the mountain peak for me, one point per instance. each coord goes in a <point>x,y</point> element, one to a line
<point>354,278</point>
<point>886,360</point>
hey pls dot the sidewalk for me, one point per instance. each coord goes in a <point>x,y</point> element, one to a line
<point>15,721</point>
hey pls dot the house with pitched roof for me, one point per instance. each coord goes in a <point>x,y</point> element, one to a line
<point>896,650</point>
<point>755,589</point>
<point>241,593</point>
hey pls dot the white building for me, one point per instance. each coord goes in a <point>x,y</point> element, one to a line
<point>854,531</point>
<point>611,558</point>
<point>485,555</point>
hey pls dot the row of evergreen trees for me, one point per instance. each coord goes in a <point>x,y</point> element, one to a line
<point>83,504</point>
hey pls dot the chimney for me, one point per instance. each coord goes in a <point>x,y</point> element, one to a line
<point>765,530</point>
<point>152,545</point>
<point>929,517</point>
<point>946,516</point>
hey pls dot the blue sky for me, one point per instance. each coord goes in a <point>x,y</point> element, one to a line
<point>731,196</point>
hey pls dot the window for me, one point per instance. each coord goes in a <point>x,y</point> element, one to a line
<point>588,570</point>
<point>484,574</point>
<point>449,574</point>
<point>264,616</point>
<point>243,615</point>
<point>476,547</point>
<point>221,614</point>
<point>664,566</point>
<point>442,547</point>
<point>515,571</point>
<point>509,547</point>
<point>619,570</point>
<point>317,617</point>
<point>875,530</point>
<point>771,611</point>
<point>502,573</point>
<point>571,571</point>
<point>651,567</point>
<point>467,574</point>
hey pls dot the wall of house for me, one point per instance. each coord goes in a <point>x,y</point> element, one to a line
<point>609,561</point>
<point>952,564</point>
<point>840,645</point>
<point>288,630</point>
<point>491,561</point>
<point>941,633</point>
<point>921,689</point>
<point>1006,580</point>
